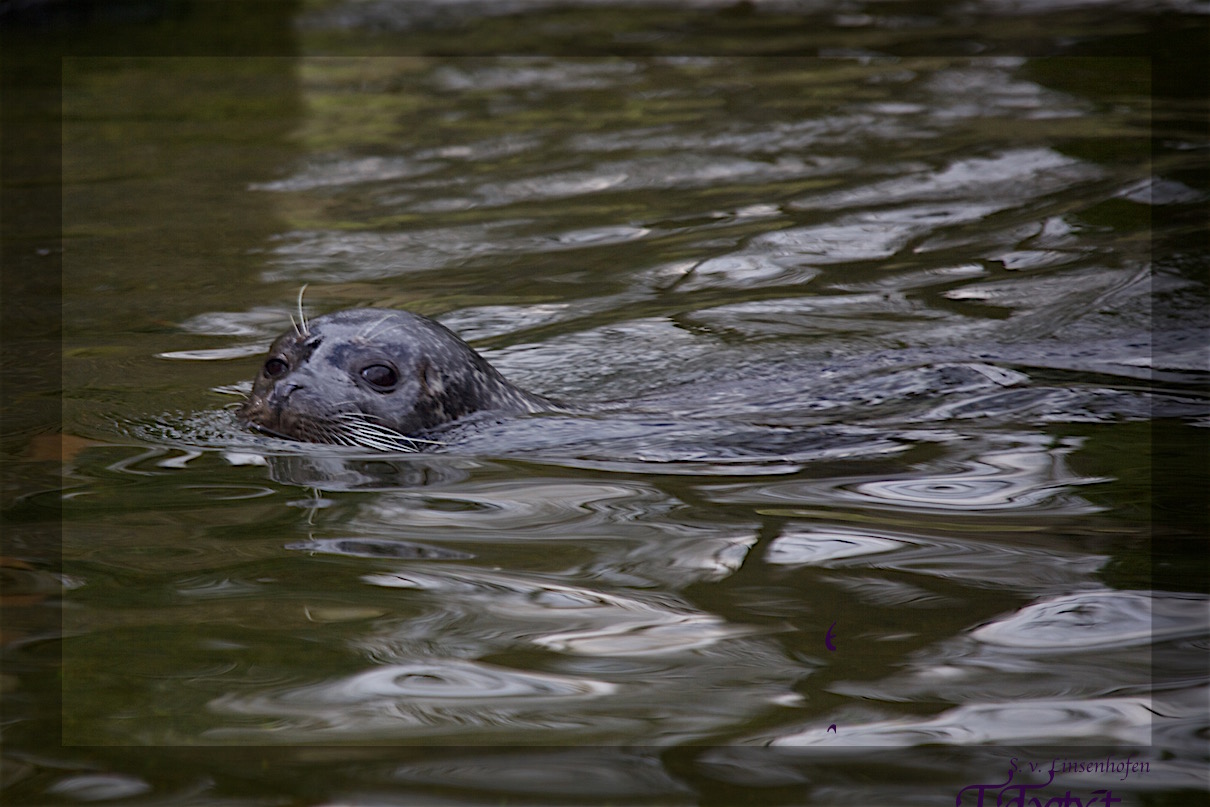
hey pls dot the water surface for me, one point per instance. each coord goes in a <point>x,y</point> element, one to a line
<point>864,355</point>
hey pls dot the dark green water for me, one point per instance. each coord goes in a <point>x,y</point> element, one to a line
<point>900,350</point>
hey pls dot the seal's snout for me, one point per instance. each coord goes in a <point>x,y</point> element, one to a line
<point>252,409</point>
<point>268,408</point>
<point>249,412</point>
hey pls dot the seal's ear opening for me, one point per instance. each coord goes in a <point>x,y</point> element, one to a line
<point>430,379</point>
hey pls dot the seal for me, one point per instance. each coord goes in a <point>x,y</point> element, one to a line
<point>376,378</point>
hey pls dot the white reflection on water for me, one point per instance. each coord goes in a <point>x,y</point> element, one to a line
<point>100,787</point>
<point>1095,721</point>
<point>433,692</point>
<point>1071,663</point>
<point>1007,563</point>
<point>818,546</point>
<point>327,173</point>
<point>591,662</point>
<point>1030,474</point>
<point>1012,479</point>
<point>573,619</point>
<point>643,639</point>
<point>994,180</point>
<point>505,506</point>
<point>1090,620</point>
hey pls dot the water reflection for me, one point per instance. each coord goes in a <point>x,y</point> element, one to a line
<point>852,343</point>
<point>432,695</point>
<point>593,659</point>
<point>1087,721</point>
<point>1005,564</point>
<point>1096,620</point>
<point>1026,476</point>
<point>1070,663</point>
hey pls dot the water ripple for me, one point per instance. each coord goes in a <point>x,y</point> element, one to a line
<point>368,547</point>
<point>412,697</point>
<point>1031,476</point>
<point>605,624</point>
<point>348,172</point>
<point>684,170</point>
<point>818,547</point>
<point>548,505</point>
<point>1010,562</point>
<point>1097,721</point>
<point>639,638</point>
<point>998,182</point>
<point>1098,620</point>
<point>1008,480</point>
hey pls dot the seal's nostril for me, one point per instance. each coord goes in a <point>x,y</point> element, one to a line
<point>282,392</point>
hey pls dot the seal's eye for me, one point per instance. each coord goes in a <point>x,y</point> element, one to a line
<point>380,376</point>
<point>275,367</point>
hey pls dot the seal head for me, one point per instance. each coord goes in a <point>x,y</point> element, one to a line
<point>375,378</point>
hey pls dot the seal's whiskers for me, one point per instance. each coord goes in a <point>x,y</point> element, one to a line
<point>363,431</point>
<point>373,329</point>
<point>300,327</point>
